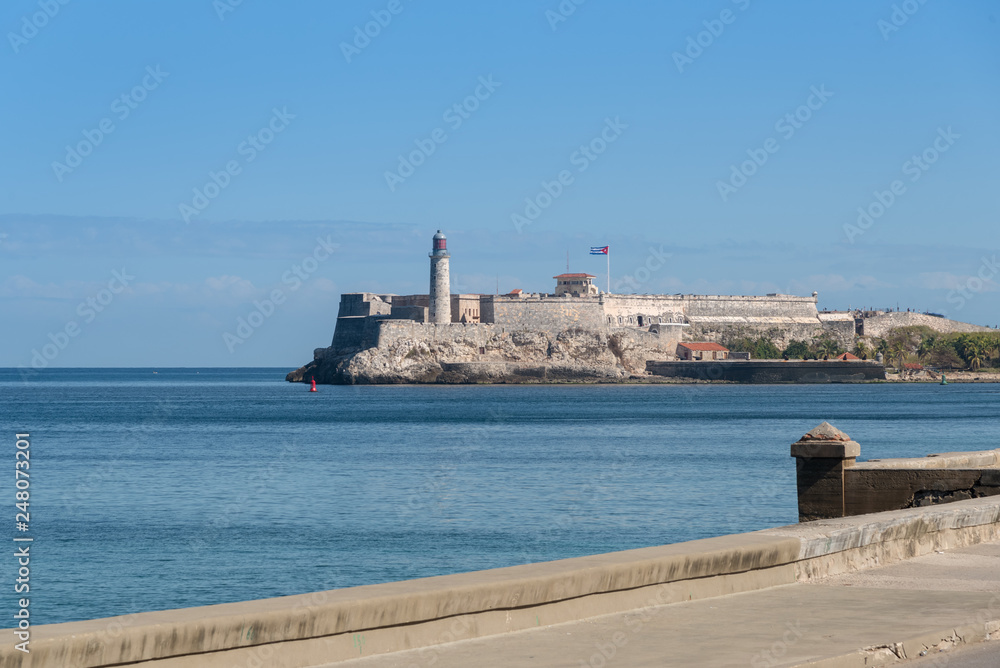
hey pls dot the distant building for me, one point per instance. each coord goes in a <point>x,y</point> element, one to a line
<point>465,308</point>
<point>846,357</point>
<point>701,351</point>
<point>578,285</point>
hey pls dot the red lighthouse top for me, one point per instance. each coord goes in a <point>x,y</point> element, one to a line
<point>440,244</point>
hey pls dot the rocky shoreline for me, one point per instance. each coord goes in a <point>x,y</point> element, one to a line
<point>500,357</point>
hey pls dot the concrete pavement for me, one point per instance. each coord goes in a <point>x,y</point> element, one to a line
<point>877,616</point>
<point>984,655</point>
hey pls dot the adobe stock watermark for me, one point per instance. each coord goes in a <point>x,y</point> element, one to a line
<point>654,262</point>
<point>582,159</point>
<point>249,149</point>
<point>697,43</point>
<point>988,270</point>
<point>772,656</point>
<point>294,277</point>
<point>786,126</point>
<point>88,310</point>
<point>223,7</point>
<point>455,116</point>
<point>562,12</point>
<point>915,168</point>
<point>899,17</point>
<point>635,622</point>
<point>122,107</point>
<point>32,23</point>
<point>381,18</point>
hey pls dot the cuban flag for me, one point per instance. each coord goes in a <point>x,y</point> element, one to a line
<point>599,250</point>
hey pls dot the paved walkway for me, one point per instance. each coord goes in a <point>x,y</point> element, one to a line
<point>797,624</point>
<point>980,655</point>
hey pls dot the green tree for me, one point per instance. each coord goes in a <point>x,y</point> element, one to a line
<point>764,349</point>
<point>974,354</point>
<point>796,349</point>
<point>943,354</point>
<point>926,347</point>
<point>828,347</point>
<point>897,352</point>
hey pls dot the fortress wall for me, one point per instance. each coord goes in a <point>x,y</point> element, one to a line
<point>549,314</point>
<point>711,306</point>
<point>781,331</point>
<point>393,332</point>
<point>712,318</point>
<point>842,331</point>
<point>777,306</point>
<point>667,308</point>
<point>411,300</point>
<point>354,304</point>
<point>486,311</point>
<point>881,325</point>
<point>353,333</point>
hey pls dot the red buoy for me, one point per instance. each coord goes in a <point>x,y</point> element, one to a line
<point>313,388</point>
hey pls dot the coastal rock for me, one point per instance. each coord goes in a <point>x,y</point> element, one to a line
<point>477,355</point>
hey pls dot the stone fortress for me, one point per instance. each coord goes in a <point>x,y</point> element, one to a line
<point>575,333</point>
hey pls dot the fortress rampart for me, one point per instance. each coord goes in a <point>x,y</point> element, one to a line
<point>881,325</point>
<point>781,316</point>
<point>547,313</point>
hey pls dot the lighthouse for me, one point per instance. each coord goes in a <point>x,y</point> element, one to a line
<point>440,302</point>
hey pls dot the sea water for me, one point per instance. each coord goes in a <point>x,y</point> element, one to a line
<point>190,487</point>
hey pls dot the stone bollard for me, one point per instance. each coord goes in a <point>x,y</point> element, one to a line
<point>821,457</point>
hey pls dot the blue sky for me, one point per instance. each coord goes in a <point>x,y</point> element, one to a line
<point>738,137</point>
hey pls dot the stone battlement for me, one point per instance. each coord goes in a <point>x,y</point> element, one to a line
<point>551,313</point>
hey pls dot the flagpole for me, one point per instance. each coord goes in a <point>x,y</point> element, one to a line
<point>609,270</point>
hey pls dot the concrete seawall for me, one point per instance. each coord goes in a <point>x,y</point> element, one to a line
<point>771,371</point>
<point>323,627</point>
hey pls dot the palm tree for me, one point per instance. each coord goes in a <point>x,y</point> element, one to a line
<point>828,347</point>
<point>974,354</point>
<point>897,352</point>
<point>861,349</point>
<point>992,347</point>
<point>926,347</point>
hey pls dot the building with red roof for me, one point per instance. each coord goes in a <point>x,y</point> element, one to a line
<point>702,351</point>
<point>577,285</point>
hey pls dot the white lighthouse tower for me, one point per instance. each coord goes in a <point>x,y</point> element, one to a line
<point>440,306</point>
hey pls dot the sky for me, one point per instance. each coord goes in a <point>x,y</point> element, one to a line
<point>168,170</point>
